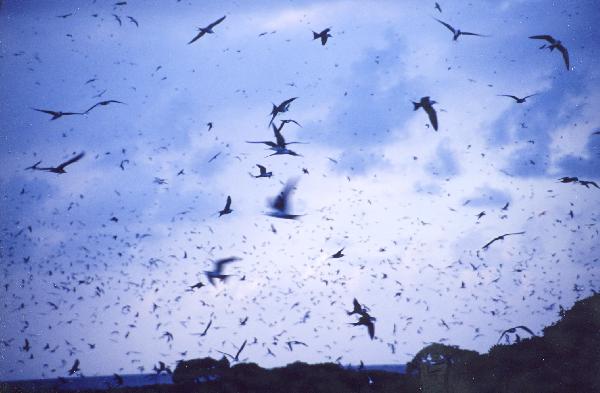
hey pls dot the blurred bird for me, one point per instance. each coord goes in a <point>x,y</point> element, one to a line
<point>281,203</point>
<point>216,273</point>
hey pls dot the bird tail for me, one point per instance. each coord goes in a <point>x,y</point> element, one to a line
<point>315,35</point>
<point>416,105</point>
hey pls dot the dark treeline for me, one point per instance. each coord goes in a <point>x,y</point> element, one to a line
<point>566,358</point>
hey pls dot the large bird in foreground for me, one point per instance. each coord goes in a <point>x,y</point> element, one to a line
<point>217,272</point>
<point>554,44</point>
<point>324,35</point>
<point>281,205</point>
<point>206,30</point>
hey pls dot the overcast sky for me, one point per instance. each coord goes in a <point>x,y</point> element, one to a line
<point>116,252</point>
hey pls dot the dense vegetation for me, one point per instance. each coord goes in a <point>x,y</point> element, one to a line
<point>565,359</point>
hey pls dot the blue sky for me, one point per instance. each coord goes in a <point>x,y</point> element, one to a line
<point>401,198</point>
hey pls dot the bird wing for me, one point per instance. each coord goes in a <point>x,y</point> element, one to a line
<point>278,137</point>
<point>281,202</point>
<point>548,38</point>
<point>531,95</point>
<point>356,304</point>
<point>432,116</point>
<point>490,242</point>
<point>118,19</point>
<point>526,329</point>
<point>565,55</point>
<point>131,18</point>
<point>287,102</point>
<point>262,169</point>
<point>447,25</point>
<point>371,329</point>
<point>215,23</point>
<point>240,350</point>
<point>222,262</point>
<point>228,203</point>
<point>53,113</point>
<point>467,33</point>
<point>200,34</point>
<point>72,160</point>
<point>514,233</point>
<point>511,96</point>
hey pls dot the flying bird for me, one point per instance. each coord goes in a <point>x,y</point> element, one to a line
<point>457,33</point>
<point>206,30</point>
<point>358,308</point>
<point>263,172</point>
<point>427,106</point>
<point>227,208</point>
<point>217,272</point>
<point>74,368</point>
<point>58,169</point>
<point>513,330</point>
<point>501,237</point>
<point>366,320</point>
<point>324,35</point>
<point>554,44</point>
<point>132,20</point>
<point>281,204</point>
<point>283,107</point>
<point>338,254</point>
<point>118,19</point>
<point>517,99</point>
<point>57,114</point>
<point>235,358</point>
<point>437,7</point>
<point>585,183</point>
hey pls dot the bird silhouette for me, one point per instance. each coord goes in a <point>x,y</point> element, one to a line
<point>358,308</point>
<point>227,209</point>
<point>281,204</point>
<point>57,114</point>
<point>323,35</point>
<point>60,169</point>
<point>74,368</point>
<point>427,106</point>
<point>338,254</point>
<point>263,172</point>
<point>517,99</point>
<point>554,44</point>
<point>217,272</point>
<point>132,19</point>
<point>437,7</point>
<point>206,30</point>
<point>366,320</point>
<point>501,237</point>
<point>118,19</point>
<point>283,107</point>
<point>235,358</point>
<point>513,330</point>
<point>457,32</point>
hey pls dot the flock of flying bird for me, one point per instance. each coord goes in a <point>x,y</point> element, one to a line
<point>280,205</point>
